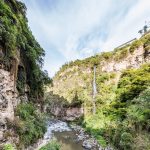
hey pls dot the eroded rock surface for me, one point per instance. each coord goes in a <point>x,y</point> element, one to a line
<point>134,60</point>
<point>8,101</point>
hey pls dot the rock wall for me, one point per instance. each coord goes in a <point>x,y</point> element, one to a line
<point>68,114</point>
<point>8,101</point>
<point>73,113</point>
<point>134,60</point>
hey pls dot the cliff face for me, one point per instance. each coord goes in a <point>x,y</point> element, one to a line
<point>60,108</point>
<point>79,77</point>
<point>21,77</point>
<point>67,114</point>
<point>9,98</point>
<point>134,60</point>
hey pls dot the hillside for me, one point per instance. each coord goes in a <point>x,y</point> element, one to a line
<point>107,95</point>
<point>21,78</point>
<point>122,99</point>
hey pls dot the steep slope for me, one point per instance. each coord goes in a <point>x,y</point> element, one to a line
<point>122,80</point>
<point>21,77</point>
<point>78,76</point>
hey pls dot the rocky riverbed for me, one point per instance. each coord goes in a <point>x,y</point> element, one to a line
<point>69,136</point>
<point>88,142</point>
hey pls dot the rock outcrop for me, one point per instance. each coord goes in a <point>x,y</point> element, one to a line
<point>134,60</point>
<point>68,114</point>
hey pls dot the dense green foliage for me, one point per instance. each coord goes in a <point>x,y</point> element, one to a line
<point>31,124</point>
<point>133,82</point>
<point>53,145</point>
<point>18,43</point>
<point>123,118</point>
<point>22,56</point>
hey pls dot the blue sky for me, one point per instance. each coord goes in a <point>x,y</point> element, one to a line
<point>76,29</point>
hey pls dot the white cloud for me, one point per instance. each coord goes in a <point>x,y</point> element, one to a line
<point>86,52</point>
<point>129,26</point>
<point>75,29</point>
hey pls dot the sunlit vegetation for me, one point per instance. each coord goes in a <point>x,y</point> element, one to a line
<point>125,116</point>
<point>136,44</point>
<point>8,147</point>
<point>52,145</point>
<point>122,100</point>
<point>133,82</point>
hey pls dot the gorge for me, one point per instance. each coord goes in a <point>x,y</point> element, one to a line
<point>100,103</point>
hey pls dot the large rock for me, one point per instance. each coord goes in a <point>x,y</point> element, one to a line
<point>89,144</point>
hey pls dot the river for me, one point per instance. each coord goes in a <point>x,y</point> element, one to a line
<point>70,137</point>
<point>66,136</point>
<point>68,140</point>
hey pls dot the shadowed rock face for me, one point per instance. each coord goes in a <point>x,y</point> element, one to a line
<point>73,113</point>
<point>61,108</point>
<point>68,114</point>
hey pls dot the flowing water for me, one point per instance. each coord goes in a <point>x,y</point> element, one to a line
<point>69,137</point>
<point>65,136</point>
<point>68,140</point>
<point>94,91</point>
<point>94,83</point>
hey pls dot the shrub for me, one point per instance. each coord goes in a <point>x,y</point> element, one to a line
<point>8,147</point>
<point>132,82</point>
<point>138,112</point>
<point>141,141</point>
<point>106,55</point>
<point>31,124</point>
<point>103,77</point>
<point>126,141</point>
<point>121,54</point>
<point>53,145</point>
<point>101,140</point>
<point>136,44</point>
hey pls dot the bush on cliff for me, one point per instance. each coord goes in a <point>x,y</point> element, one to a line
<point>31,124</point>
